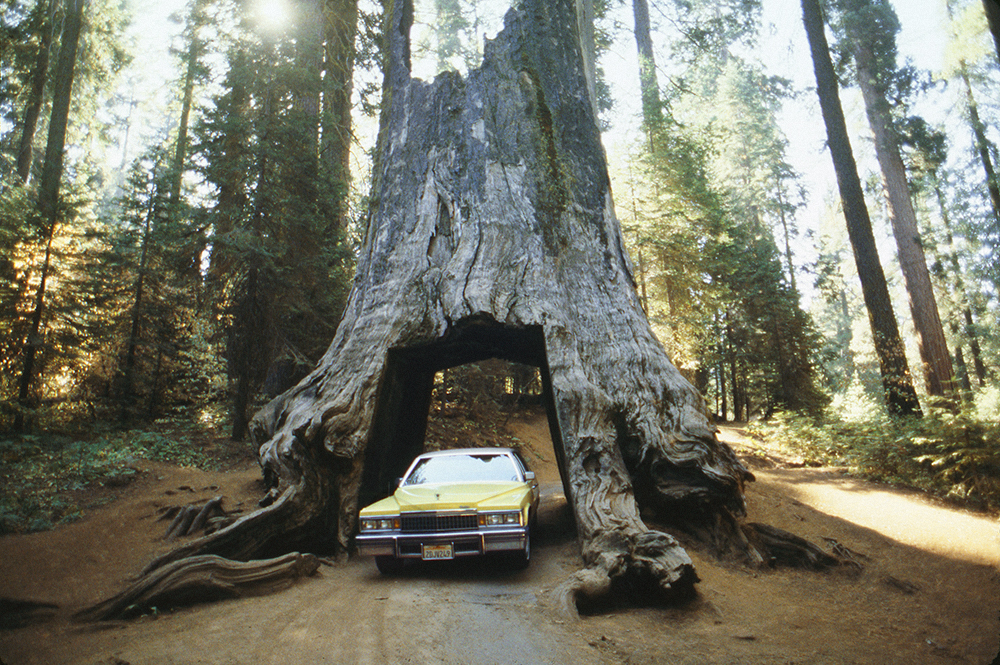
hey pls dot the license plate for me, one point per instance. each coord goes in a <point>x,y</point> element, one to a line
<point>437,552</point>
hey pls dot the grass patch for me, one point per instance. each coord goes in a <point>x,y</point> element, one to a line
<point>951,455</point>
<point>42,477</point>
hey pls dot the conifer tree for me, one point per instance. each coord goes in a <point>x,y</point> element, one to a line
<point>868,29</point>
<point>897,384</point>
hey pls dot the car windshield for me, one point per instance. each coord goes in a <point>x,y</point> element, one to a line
<point>463,468</point>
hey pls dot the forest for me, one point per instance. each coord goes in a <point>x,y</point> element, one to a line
<point>183,199</point>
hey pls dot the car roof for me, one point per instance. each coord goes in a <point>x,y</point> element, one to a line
<point>468,451</point>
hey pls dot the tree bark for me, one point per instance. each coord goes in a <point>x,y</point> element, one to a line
<point>931,343</point>
<point>897,384</point>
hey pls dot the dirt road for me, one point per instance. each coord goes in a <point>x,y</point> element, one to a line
<point>929,592</point>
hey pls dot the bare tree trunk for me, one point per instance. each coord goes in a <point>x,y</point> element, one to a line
<point>931,342</point>
<point>897,384</point>
<point>48,194</point>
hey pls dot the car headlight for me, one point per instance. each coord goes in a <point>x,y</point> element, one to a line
<point>379,523</point>
<point>501,519</point>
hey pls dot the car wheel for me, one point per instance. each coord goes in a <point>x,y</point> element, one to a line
<point>388,565</point>
<point>522,558</point>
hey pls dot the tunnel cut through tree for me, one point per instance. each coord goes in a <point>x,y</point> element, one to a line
<point>492,233</point>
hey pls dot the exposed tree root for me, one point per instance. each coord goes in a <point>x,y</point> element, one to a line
<point>781,548</point>
<point>188,520</point>
<point>202,578</point>
<point>16,613</point>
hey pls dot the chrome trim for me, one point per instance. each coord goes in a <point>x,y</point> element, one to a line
<point>493,539</point>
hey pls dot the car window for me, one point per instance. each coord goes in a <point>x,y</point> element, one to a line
<point>463,468</point>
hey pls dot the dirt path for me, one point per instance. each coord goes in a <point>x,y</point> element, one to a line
<point>930,591</point>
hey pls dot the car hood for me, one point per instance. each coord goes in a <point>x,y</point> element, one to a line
<point>461,496</point>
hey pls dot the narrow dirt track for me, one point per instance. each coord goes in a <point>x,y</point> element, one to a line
<point>929,593</point>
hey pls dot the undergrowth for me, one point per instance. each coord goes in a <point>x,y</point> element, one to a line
<point>45,478</point>
<point>951,455</point>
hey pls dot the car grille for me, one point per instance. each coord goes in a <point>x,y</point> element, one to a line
<point>432,522</point>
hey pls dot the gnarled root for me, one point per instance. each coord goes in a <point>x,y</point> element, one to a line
<point>647,565</point>
<point>202,578</point>
<point>781,548</point>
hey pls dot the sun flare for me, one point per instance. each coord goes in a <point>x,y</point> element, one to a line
<point>273,14</point>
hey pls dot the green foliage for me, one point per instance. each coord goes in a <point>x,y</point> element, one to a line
<point>949,454</point>
<point>48,479</point>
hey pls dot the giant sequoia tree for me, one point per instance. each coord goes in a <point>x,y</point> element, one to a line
<point>492,233</point>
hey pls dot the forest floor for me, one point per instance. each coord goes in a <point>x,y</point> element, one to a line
<point>929,591</point>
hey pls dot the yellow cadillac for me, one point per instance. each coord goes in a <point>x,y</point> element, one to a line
<point>453,503</point>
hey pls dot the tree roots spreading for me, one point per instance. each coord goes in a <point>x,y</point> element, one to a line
<point>201,578</point>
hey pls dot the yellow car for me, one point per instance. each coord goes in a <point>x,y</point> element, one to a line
<point>453,503</point>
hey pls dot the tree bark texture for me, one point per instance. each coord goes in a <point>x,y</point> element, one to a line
<point>897,383</point>
<point>931,343</point>
<point>491,233</point>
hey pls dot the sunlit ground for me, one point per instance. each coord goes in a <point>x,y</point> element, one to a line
<point>901,515</point>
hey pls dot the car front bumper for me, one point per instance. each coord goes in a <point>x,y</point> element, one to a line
<point>464,543</point>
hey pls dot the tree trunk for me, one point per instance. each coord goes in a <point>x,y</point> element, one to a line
<point>897,384</point>
<point>931,343</point>
<point>992,9</point>
<point>492,233</point>
<point>192,63</point>
<point>340,30</point>
<point>982,146</point>
<point>48,191</point>
<point>652,108</point>
<point>36,98</point>
<point>127,395</point>
<point>961,293</point>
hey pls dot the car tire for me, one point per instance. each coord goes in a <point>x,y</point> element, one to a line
<point>522,558</point>
<point>388,565</point>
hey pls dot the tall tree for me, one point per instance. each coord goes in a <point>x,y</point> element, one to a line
<point>869,27</point>
<point>340,29</point>
<point>992,9</point>
<point>277,245</point>
<point>48,193</point>
<point>897,383</point>
<point>45,19</point>
<point>194,69</point>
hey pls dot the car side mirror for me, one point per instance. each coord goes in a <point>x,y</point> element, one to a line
<point>394,485</point>
<point>529,476</point>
